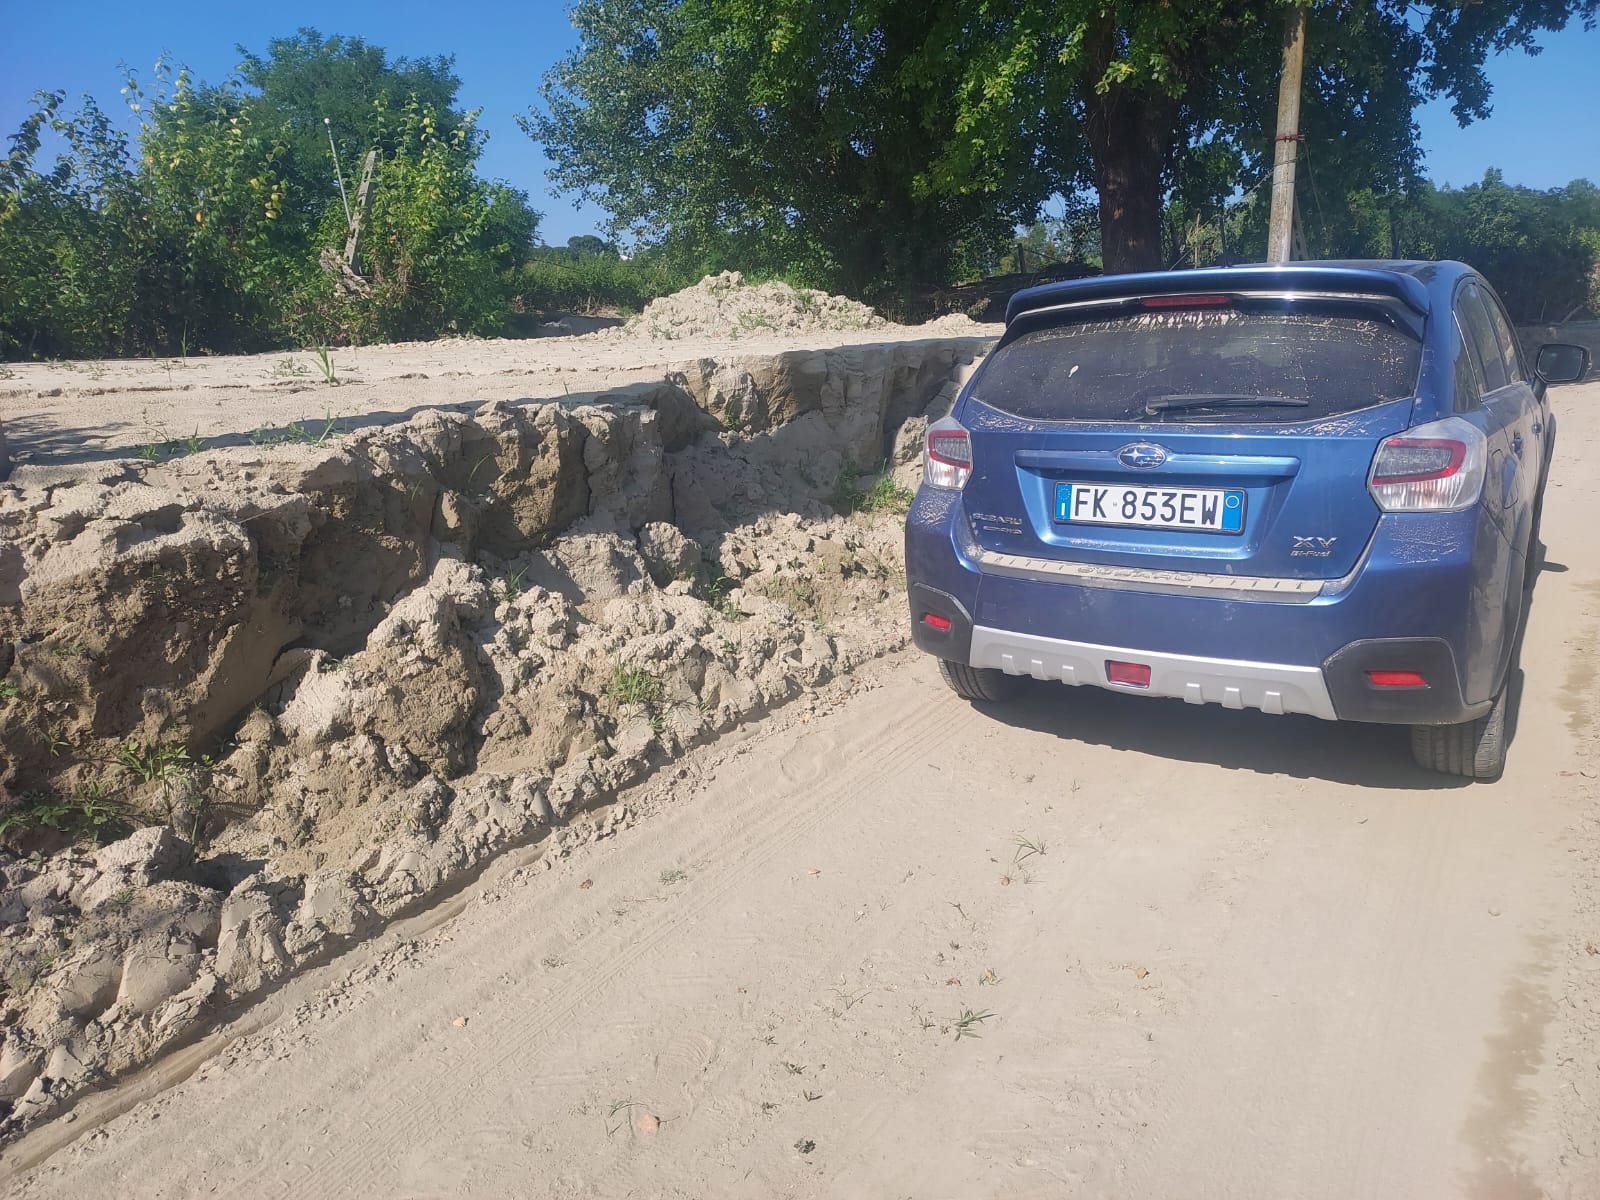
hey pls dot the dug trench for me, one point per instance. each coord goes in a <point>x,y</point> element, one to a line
<point>261,702</point>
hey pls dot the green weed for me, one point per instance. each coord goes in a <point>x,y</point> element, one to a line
<point>185,783</point>
<point>511,585</point>
<point>967,1024</point>
<point>882,495</point>
<point>634,685</point>
<point>150,763</point>
<point>325,363</point>
<point>716,592</point>
<point>88,813</point>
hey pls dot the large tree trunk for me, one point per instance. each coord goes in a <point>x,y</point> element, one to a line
<point>1130,133</point>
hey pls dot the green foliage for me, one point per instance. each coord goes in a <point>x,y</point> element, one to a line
<point>71,237</point>
<point>161,761</point>
<point>184,781</point>
<point>86,814</point>
<point>559,280</point>
<point>1539,249</point>
<point>883,494</point>
<point>634,685</point>
<point>306,79</point>
<point>211,231</point>
<point>788,137</point>
<point>879,142</point>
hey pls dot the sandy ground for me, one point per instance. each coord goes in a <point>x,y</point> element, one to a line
<point>70,411</point>
<point>1246,956</point>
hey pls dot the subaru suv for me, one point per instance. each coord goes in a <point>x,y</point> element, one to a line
<point>1305,488</point>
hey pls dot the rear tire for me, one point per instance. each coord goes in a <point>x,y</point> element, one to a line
<point>1472,749</point>
<point>979,684</point>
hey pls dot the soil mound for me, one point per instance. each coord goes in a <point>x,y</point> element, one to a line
<point>725,306</point>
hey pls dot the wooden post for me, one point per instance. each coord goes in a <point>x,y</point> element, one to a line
<point>358,218</point>
<point>1281,230</point>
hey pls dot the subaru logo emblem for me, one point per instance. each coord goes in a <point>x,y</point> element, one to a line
<point>1143,456</point>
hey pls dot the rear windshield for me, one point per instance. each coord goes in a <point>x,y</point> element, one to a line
<point>1168,366</point>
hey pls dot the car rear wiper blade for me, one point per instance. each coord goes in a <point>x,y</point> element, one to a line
<point>1178,403</point>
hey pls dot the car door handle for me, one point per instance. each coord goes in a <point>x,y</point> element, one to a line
<point>1538,428</point>
<point>1516,444</point>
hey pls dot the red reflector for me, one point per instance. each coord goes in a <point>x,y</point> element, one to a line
<point>1132,674</point>
<point>1396,679</point>
<point>935,621</point>
<point>1184,301</point>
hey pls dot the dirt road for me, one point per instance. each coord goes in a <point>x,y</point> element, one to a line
<point>1201,953</point>
<point>76,411</point>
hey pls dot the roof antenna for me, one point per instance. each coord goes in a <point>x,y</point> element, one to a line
<point>338,174</point>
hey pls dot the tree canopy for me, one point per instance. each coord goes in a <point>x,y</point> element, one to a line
<point>776,135</point>
<point>862,134</point>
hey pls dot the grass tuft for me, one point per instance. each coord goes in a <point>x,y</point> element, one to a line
<point>967,1024</point>
<point>883,494</point>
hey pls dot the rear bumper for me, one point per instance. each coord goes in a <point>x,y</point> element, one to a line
<point>1414,603</point>
<point>1337,690</point>
<point>1271,687</point>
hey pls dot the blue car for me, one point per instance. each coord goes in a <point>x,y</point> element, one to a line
<point>1304,488</point>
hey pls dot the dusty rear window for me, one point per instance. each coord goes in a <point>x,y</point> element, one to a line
<point>1118,369</point>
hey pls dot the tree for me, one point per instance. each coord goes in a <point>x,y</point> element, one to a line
<point>586,245</point>
<point>1178,97</point>
<point>307,78</point>
<point>791,136</point>
<point>209,231</point>
<point>689,119</point>
<point>1538,248</point>
<point>71,236</point>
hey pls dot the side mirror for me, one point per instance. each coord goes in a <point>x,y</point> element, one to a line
<point>1560,363</point>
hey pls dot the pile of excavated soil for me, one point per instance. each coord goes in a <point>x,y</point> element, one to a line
<point>725,306</point>
<point>326,681</point>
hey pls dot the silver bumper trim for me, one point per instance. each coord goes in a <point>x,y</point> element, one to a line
<point>1270,687</point>
<point>1148,579</point>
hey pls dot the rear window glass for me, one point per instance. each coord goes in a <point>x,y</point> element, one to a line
<point>1177,361</point>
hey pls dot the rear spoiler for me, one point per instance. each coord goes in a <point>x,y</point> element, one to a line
<point>1309,279</point>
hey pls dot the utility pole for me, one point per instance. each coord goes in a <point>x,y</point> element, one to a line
<point>1281,230</point>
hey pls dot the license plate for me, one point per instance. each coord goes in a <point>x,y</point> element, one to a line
<point>1213,510</point>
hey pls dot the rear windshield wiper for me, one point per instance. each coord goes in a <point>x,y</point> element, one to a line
<point>1179,403</point>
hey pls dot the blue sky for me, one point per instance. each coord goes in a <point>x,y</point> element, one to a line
<point>1544,131</point>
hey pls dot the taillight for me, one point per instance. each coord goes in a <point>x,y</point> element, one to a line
<point>1437,467</point>
<point>947,460</point>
